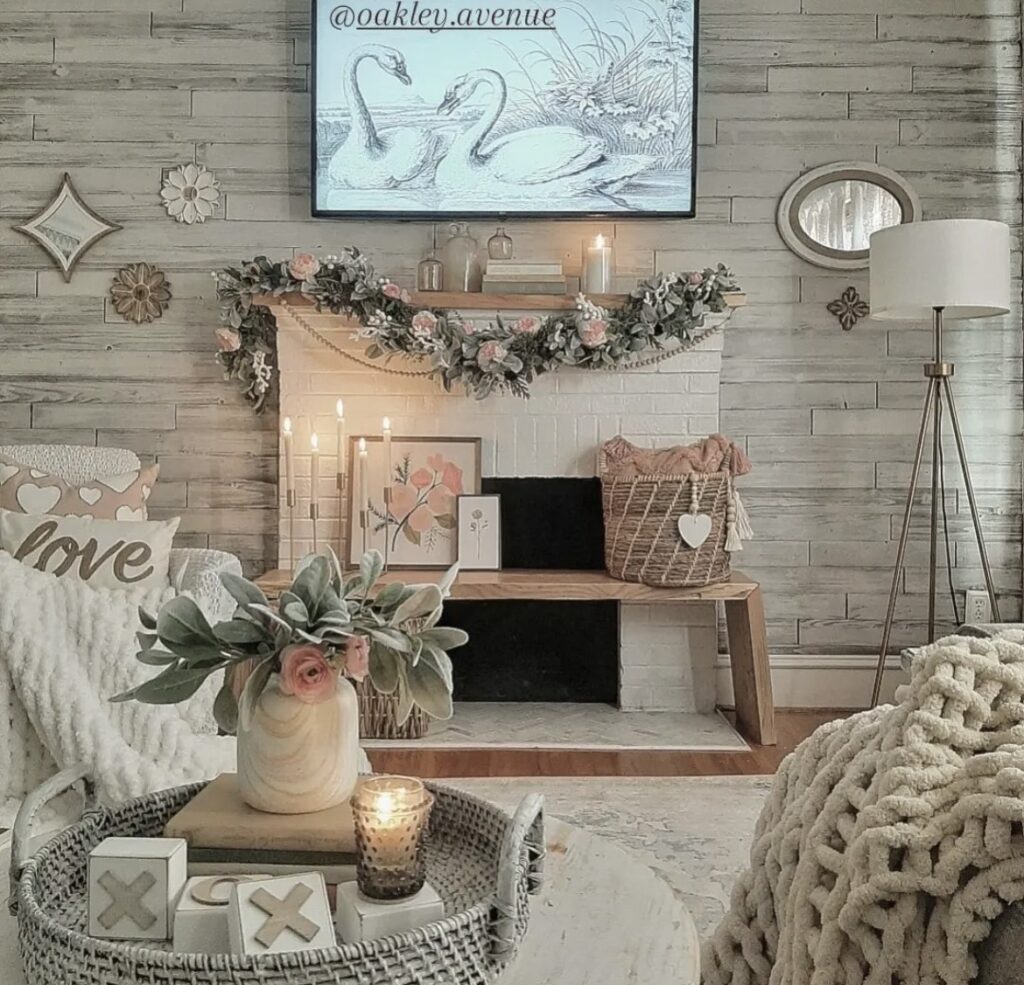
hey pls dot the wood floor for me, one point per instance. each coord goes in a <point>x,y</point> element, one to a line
<point>793,726</point>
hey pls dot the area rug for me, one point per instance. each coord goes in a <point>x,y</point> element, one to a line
<point>694,832</point>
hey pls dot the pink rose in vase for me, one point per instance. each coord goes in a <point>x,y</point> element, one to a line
<point>304,267</point>
<point>594,333</point>
<point>306,673</point>
<point>357,657</point>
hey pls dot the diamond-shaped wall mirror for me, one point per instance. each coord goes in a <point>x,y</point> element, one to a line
<point>67,228</point>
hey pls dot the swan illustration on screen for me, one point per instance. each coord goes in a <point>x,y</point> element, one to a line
<point>560,161</point>
<point>386,158</point>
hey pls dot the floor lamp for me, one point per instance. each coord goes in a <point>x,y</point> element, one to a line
<point>946,269</point>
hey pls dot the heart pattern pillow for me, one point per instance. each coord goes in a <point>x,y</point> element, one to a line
<point>110,497</point>
<point>101,553</point>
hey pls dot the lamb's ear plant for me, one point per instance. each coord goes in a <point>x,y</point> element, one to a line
<point>408,650</point>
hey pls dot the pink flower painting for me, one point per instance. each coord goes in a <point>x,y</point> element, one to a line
<point>418,523</point>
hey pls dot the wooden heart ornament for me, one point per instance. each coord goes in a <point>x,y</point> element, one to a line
<point>694,528</point>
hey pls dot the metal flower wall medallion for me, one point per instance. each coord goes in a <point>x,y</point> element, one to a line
<point>140,293</point>
<point>190,193</point>
<point>849,308</point>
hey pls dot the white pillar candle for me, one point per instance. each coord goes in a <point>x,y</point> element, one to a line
<point>341,437</point>
<point>289,455</point>
<point>364,477</point>
<point>386,433</point>
<point>314,470</point>
<point>597,268</point>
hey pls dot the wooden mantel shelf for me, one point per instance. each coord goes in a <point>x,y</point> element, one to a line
<point>486,302</point>
<point>554,586</point>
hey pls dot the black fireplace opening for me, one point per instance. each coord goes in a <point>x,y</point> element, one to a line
<point>523,650</point>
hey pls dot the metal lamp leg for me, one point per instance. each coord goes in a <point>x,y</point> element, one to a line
<point>962,454</point>
<point>931,396</point>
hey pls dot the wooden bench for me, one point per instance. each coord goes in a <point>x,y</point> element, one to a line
<point>744,615</point>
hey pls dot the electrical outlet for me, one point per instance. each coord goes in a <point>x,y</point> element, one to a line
<point>977,607</point>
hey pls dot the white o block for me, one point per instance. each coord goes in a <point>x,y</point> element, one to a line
<point>134,885</point>
<point>201,919</point>
<point>290,913</point>
<point>361,919</point>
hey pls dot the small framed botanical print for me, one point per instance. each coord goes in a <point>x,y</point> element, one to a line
<point>479,533</point>
<point>414,525</point>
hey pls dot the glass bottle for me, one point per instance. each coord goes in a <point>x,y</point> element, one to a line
<point>499,246</point>
<point>462,271</point>
<point>430,273</point>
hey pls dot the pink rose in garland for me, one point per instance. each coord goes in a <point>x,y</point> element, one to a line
<point>228,340</point>
<point>594,333</point>
<point>491,353</point>
<point>357,657</point>
<point>392,291</point>
<point>696,278</point>
<point>304,267</point>
<point>528,325</point>
<point>423,324</point>
<point>306,674</point>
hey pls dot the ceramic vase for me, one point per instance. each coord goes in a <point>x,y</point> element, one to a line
<point>293,757</point>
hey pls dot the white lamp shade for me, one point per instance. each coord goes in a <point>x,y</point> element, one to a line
<point>959,265</point>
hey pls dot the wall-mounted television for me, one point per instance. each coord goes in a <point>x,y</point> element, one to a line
<point>556,109</point>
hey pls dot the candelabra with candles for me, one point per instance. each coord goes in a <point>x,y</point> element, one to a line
<point>386,435</point>
<point>291,499</point>
<point>341,482</point>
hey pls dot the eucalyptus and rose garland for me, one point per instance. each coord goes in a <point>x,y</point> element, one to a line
<point>505,355</point>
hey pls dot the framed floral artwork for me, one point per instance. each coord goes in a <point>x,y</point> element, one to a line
<point>479,526</point>
<point>415,525</point>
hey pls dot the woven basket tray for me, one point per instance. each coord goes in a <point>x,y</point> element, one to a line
<point>482,862</point>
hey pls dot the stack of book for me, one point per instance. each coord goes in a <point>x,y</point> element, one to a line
<point>227,837</point>
<point>524,277</point>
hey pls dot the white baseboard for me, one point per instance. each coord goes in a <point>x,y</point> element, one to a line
<point>804,680</point>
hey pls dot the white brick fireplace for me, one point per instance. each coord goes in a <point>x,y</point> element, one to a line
<point>667,653</point>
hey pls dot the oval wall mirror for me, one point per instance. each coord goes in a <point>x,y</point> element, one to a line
<point>828,215</point>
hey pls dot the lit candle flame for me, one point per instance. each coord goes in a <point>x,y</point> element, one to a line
<point>362,446</point>
<point>386,425</point>
<point>340,407</point>
<point>385,806</point>
<point>287,426</point>
<point>314,441</point>
<point>599,242</point>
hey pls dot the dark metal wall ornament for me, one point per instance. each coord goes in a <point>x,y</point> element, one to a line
<point>849,308</point>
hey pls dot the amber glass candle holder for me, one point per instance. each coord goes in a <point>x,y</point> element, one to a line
<point>391,814</point>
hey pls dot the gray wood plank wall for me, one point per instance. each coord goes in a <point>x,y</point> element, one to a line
<point>115,91</point>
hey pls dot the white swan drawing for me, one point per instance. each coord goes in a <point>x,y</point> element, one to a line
<point>563,160</point>
<point>388,158</point>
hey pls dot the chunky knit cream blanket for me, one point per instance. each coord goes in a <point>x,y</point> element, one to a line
<point>892,839</point>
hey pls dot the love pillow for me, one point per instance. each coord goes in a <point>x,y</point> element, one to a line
<point>110,497</point>
<point>101,553</point>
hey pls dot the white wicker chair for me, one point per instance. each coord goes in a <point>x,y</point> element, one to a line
<point>24,762</point>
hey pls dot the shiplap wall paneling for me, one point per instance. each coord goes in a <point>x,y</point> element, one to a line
<point>118,90</point>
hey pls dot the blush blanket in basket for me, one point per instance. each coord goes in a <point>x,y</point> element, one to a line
<point>890,840</point>
<point>65,648</point>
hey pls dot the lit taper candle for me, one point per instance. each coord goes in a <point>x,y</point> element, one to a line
<point>314,470</point>
<point>288,437</point>
<point>340,408</point>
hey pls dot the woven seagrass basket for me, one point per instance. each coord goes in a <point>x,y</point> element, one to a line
<point>482,862</point>
<point>378,715</point>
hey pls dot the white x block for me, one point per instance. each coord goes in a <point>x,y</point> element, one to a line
<point>290,913</point>
<point>361,919</point>
<point>201,919</point>
<point>134,885</point>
